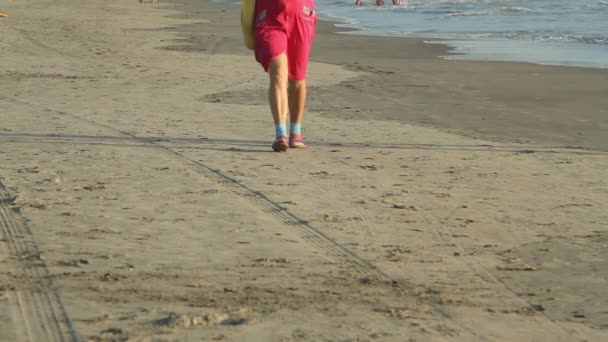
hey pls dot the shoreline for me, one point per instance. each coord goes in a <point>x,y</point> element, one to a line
<point>488,50</point>
<point>470,48</point>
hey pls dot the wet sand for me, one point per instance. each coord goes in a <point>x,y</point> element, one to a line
<point>506,102</point>
<point>140,199</point>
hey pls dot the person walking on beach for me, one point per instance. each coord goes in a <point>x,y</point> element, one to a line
<point>284,32</point>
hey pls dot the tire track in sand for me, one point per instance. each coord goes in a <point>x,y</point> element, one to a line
<point>287,218</point>
<point>41,314</point>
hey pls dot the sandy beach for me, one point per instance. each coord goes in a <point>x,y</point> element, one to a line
<point>439,200</point>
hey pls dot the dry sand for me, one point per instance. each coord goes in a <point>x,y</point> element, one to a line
<point>140,200</point>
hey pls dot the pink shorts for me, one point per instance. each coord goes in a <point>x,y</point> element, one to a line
<point>285,26</point>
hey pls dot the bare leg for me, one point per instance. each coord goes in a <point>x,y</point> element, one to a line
<point>278,100</point>
<point>277,92</point>
<point>297,99</point>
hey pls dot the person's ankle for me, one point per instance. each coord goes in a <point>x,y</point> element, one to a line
<point>280,129</point>
<point>295,128</point>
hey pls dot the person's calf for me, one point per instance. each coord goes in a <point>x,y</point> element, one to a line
<point>297,100</point>
<point>277,92</point>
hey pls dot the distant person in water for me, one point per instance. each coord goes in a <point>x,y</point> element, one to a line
<point>284,32</point>
<point>379,2</point>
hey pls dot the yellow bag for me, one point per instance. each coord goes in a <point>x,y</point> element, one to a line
<point>248,22</point>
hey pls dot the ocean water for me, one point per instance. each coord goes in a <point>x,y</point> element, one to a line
<point>559,32</point>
